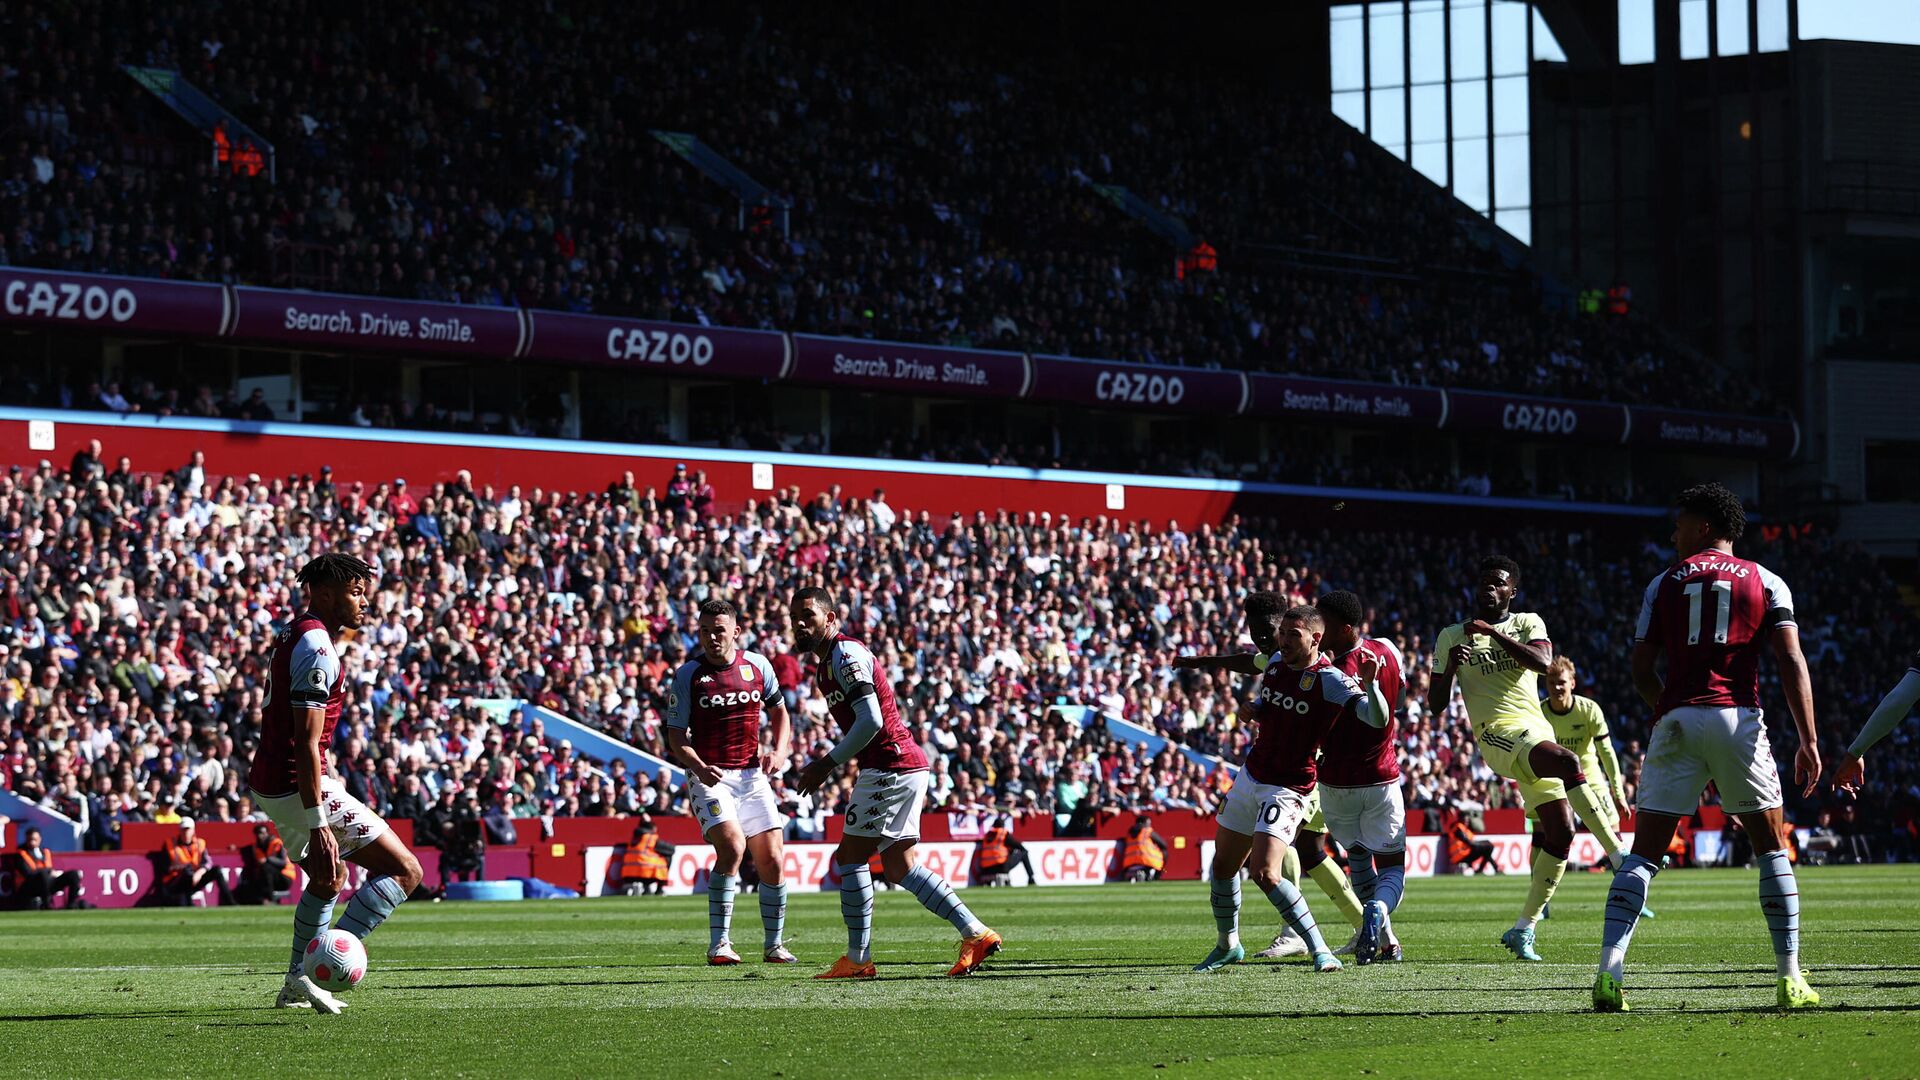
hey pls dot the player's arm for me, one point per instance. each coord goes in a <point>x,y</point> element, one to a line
<point>853,670</point>
<point>679,716</point>
<point>1238,663</point>
<point>774,761</point>
<point>1895,707</point>
<point>1535,654</point>
<point>1646,647</point>
<point>1370,705</point>
<point>1609,761</point>
<point>1798,687</point>
<point>309,768</point>
<point>1449,652</point>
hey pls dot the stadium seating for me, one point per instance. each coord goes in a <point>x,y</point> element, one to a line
<point>136,611</point>
<point>941,194</point>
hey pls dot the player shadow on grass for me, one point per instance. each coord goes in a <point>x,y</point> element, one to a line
<point>1371,1014</point>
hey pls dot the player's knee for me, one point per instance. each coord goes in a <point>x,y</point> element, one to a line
<point>1265,878</point>
<point>410,875</point>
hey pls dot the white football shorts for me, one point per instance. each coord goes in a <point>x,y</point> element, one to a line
<point>886,804</point>
<point>1266,809</point>
<point>742,795</point>
<point>354,826</point>
<point>1697,743</point>
<point>1374,817</point>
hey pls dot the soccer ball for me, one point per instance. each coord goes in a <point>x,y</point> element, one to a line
<point>335,960</point>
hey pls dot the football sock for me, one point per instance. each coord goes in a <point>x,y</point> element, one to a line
<point>1585,806</point>
<point>1293,908</point>
<point>370,906</point>
<point>1361,869</point>
<point>1780,902</point>
<point>773,913</point>
<point>1547,869</point>
<point>1226,909</point>
<point>1290,867</point>
<point>1390,886</point>
<point>856,908</point>
<point>310,916</point>
<point>720,890</point>
<point>1625,899</point>
<point>1334,883</point>
<point>938,897</point>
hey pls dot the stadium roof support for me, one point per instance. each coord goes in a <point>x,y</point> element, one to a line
<point>716,167</point>
<point>230,142</point>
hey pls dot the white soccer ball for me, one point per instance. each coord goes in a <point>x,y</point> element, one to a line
<point>335,960</point>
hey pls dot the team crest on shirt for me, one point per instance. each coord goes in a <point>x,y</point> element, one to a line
<point>1306,681</point>
<point>746,672</point>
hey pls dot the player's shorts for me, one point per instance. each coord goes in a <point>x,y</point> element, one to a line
<point>886,804</point>
<point>742,795</point>
<point>1697,743</point>
<point>1374,817</point>
<point>1507,745</point>
<point>354,826</point>
<point>1266,809</point>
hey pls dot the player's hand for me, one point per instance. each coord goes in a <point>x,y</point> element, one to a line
<point>707,774</point>
<point>1478,628</point>
<point>773,762</point>
<point>815,774</point>
<point>1368,670</point>
<point>1620,807</point>
<point>1458,656</point>
<point>1245,711</point>
<point>1851,776</point>
<point>1186,663</point>
<point>1806,769</point>
<point>327,846</point>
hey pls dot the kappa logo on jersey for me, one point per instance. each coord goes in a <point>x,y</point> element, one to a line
<point>706,678</point>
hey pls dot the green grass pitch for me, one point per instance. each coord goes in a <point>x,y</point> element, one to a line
<point>1094,981</point>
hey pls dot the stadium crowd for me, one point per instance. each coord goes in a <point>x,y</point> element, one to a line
<point>138,606</point>
<point>503,154</point>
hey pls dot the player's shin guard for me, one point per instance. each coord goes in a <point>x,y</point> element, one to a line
<point>1547,870</point>
<point>773,913</point>
<point>311,915</point>
<point>856,909</point>
<point>1625,899</point>
<point>1334,884</point>
<point>1361,869</point>
<point>1293,908</point>
<point>938,897</point>
<point>1587,808</point>
<point>1226,909</point>
<point>720,891</point>
<point>1780,902</point>
<point>1390,886</point>
<point>371,905</point>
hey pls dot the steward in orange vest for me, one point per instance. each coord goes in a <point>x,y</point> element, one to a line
<point>1143,855</point>
<point>189,869</point>
<point>35,881</point>
<point>640,866</point>
<point>999,853</point>
<point>1464,849</point>
<point>267,873</point>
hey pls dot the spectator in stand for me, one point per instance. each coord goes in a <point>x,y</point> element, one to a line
<point>35,881</point>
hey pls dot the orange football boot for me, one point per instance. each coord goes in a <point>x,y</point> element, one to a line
<point>974,952</point>
<point>844,968</point>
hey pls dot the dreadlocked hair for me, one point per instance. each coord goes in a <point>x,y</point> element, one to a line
<point>335,569</point>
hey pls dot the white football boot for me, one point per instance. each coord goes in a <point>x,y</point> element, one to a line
<point>298,992</point>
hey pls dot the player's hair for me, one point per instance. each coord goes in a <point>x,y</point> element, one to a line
<point>718,607</point>
<point>1560,664</point>
<point>1500,562</point>
<point>1718,505</point>
<point>1307,614</point>
<point>817,595</point>
<point>1263,605</point>
<point>335,569</point>
<point>1340,606</point>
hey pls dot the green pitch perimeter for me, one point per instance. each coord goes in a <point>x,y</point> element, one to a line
<point>1094,981</point>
